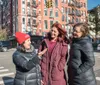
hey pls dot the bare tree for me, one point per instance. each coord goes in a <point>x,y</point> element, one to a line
<point>3,34</point>
<point>94,20</point>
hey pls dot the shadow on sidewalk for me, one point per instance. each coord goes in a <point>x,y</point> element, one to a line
<point>7,80</point>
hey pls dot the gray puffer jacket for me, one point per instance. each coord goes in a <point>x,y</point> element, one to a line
<point>27,67</point>
<point>81,62</point>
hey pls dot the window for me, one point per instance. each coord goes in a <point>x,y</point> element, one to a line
<point>34,32</point>
<point>51,13</point>
<point>45,1</point>
<point>63,10</point>
<point>34,21</point>
<point>29,21</point>
<point>45,24</point>
<point>28,12</point>
<point>23,10</point>
<point>76,19</point>
<point>23,2</point>
<point>73,20</point>
<point>34,2</point>
<point>81,4</point>
<point>23,20</point>
<point>56,13</point>
<point>79,19</point>
<point>28,3</point>
<point>76,12</point>
<point>24,30</point>
<point>56,3</point>
<point>84,5</point>
<point>63,17</point>
<point>51,23</point>
<point>73,11</point>
<point>68,10</point>
<point>45,12</point>
<point>66,18</point>
<point>69,19</point>
<point>34,12</point>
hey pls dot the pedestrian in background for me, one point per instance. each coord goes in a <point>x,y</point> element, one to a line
<point>81,62</point>
<point>26,62</point>
<point>53,62</point>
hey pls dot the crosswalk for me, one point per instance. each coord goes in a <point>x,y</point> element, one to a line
<point>6,76</point>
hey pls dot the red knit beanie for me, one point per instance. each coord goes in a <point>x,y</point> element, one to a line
<point>21,37</point>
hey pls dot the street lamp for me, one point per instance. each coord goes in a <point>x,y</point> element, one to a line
<point>1,6</point>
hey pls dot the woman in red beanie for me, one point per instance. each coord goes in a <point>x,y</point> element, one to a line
<point>26,62</point>
<point>53,62</point>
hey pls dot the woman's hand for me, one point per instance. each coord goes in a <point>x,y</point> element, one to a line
<point>42,82</point>
<point>42,52</point>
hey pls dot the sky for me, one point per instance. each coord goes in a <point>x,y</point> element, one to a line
<point>92,3</point>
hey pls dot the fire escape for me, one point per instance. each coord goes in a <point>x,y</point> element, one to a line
<point>34,5</point>
<point>74,12</point>
<point>33,16</point>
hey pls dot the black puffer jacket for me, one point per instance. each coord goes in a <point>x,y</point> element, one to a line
<point>27,68</point>
<point>81,62</point>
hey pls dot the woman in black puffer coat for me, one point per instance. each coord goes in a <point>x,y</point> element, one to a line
<point>26,62</point>
<point>81,62</point>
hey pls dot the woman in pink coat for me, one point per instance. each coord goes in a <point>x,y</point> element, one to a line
<point>53,61</point>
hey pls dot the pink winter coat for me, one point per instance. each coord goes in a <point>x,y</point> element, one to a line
<point>54,71</point>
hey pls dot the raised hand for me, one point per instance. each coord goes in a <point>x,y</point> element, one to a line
<point>42,52</point>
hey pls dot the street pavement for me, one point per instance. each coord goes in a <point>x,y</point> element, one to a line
<point>7,68</point>
<point>97,66</point>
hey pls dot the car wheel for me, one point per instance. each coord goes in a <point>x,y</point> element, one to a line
<point>4,49</point>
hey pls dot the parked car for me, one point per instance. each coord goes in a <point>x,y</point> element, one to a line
<point>36,41</point>
<point>4,46</point>
<point>98,47</point>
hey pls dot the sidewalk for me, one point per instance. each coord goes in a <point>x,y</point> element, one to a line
<point>97,61</point>
<point>12,49</point>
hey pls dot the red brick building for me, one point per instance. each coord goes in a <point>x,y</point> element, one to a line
<point>33,15</point>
